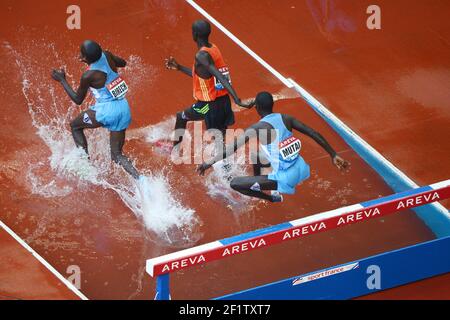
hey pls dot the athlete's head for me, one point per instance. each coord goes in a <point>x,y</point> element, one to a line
<point>201,29</point>
<point>90,51</point>
<point>264,103</point>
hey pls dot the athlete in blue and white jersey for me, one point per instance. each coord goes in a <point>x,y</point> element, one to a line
<point>111,109</point>
<point>281,152</point>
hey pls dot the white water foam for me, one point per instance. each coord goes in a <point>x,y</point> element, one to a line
<point>47,187</point>
<point>218,184</point>
<point>217,181</point>
<point>151,199</point>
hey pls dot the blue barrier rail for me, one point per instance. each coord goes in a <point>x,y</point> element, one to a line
<point>162,266</point>
<point>361,277</point>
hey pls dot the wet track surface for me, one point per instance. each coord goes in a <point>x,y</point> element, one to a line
<point>365,79</point>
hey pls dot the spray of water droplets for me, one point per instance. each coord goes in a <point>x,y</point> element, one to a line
<point>151,199</point>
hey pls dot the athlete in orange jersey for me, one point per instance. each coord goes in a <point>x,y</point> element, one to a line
<point>211,82</point>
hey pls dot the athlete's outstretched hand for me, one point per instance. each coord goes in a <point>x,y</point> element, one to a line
<point>245,104</point>
<point>59,75</point>
<point>171,64</point>
<point>202,168</point>
<point>340,163</point>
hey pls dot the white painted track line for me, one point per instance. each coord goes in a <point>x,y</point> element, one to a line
<point>278,75</point>
<point>66,282</point>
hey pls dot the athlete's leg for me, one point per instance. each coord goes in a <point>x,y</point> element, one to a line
<point>220,117</point>
<point>254,186</point>
<point>180,123</point>
<point>218,138</point>
<point>259,162</point>
<point>190,114</point>
<point>86,120</point>
<point>117,140</point>
<point>219,148</point>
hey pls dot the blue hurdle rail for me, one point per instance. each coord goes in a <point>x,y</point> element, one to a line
<point>425,260</point>
<point>396,268</point>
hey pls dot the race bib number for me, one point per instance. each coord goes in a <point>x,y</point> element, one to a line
<point>290,148</point>
<point>118,88</point>
<point>226,73</point>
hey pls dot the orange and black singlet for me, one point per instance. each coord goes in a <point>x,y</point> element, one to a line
<point>210,89</point>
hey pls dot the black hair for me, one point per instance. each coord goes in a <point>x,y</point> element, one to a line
<point>264,101</point>
<point>91,50</point>
<point>202,28</point>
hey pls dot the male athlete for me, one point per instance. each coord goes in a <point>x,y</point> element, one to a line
<point>281,151</point>
<point>111,109</point>
<point>212,84</point>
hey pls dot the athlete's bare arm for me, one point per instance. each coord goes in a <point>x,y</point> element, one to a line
<point>172,64</point>
<point>293,123</point>
<point>204,59</point>
<point>118,61</point>
<point>231,148</point>
<point>78,96</point>
<point>90,78</point>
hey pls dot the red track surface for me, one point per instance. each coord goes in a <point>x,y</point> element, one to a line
<point>388,85</point>
<point>435,288</point>
<point>24,277</point>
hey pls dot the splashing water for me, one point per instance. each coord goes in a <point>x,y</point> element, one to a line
<point>151,198</point>
<point>218,184</point>
<point>46,187</point>
<point>218,181</point>
<point>150,190</point>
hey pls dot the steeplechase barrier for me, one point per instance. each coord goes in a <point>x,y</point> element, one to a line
<point>423,260</point>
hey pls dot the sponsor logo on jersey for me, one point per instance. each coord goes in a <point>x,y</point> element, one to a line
<point>118,88</point>
<point>290,148</point>
<point>226,73</point>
